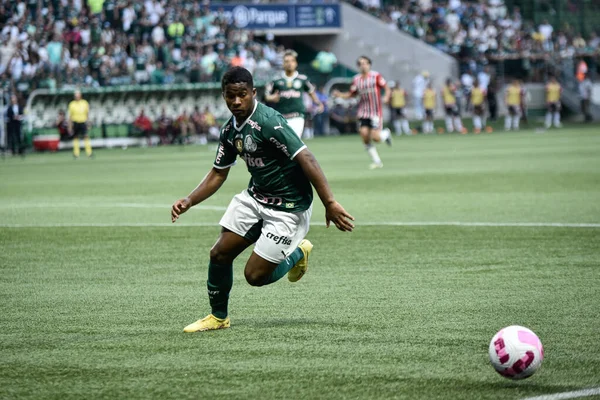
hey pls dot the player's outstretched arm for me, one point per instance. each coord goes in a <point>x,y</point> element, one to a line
<point>209,185</point>
<point>334,212</point>
<point>272,98</point>
<point>317,102</point>
<point>342,95</point>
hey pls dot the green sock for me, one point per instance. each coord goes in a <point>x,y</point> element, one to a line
<point>285,266</point>
<point>220,280</point>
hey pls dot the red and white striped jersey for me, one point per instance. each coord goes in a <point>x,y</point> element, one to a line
<point>368,89</point>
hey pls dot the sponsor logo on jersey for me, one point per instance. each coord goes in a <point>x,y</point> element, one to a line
<point>253,162</point>
<point>284,240</point>
<point>290,94</point>
<point>254,125</point>
<point>280,146</point>
<point>220,154</point>
<point>249,144</point>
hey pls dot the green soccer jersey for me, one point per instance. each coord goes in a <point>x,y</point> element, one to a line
<point>290,91</point>
<point>268,146</point>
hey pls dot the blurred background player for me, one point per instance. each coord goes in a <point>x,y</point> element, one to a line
<point>286,93</point>
<point>478,102</point>
<point>79,111</point>
<point>429,107</point>
<point>419,85</point>
<point>514,100</point>
<point>553,92</point>
<point>452,115</point>
<point>398,103</point>
<point>367,85</point>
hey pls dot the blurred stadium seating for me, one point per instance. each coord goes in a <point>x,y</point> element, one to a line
<point>171,54</point>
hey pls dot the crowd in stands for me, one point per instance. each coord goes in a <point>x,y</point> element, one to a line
<point>198,126</point>
<point>479,32</point>
<point>90,43</point>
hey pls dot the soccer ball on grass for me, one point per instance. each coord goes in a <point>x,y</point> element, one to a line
<point>516,352</point>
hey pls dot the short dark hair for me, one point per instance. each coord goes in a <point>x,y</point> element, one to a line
<point>364,58</point>
<point>237,75</point>
<point>291,53</point>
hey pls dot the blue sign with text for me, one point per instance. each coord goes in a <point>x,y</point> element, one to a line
<point>281,16</point>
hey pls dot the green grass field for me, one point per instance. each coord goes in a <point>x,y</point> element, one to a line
<point>96,285</point>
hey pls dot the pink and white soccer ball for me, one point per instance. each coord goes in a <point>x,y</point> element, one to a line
<point>516,352</point>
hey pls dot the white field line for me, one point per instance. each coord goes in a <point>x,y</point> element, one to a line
<point>485,224</point>
<point>358,224</point>
<point>567,395</point>
<point>202,207</point>
<point>103,205</point>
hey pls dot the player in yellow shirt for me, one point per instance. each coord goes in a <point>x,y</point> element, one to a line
<point>398,103</point>
<point>452,115</point>
<point>553,92</point>
<point>514,102</point>
<point>79,110</point>
<point>429,106</point>
<point>478,96</point>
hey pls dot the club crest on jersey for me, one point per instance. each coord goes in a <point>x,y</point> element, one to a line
<point>297,84</point>
<point>250,144</point>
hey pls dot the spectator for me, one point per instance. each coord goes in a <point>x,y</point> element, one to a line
<point>143,126</point>
<point>582,70</point>
<point>546,31</point>
<point>165,127</point>
<point>198,121</point>
<point>237,60</point>
<point>157,76</point>
<point>324,63</point>
<point>210,124</point>
<point>55,51</point>
<point>185,127</point>
<point>62,124</point>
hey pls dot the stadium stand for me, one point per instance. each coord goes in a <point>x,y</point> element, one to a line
<point>125,54</point>
<point>479,33</point>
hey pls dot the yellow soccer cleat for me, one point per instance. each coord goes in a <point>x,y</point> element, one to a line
<point>301,266</point>
<point>376,166</point>
<point>208,323</point>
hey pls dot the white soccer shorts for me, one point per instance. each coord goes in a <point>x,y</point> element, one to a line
<point>297,124</point>
<point>276,233</point>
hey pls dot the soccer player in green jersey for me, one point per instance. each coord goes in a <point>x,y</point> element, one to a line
<point>273,212</point>
<point>286,92</point>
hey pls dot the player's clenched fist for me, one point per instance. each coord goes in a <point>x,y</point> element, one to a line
<point>179,207</point>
